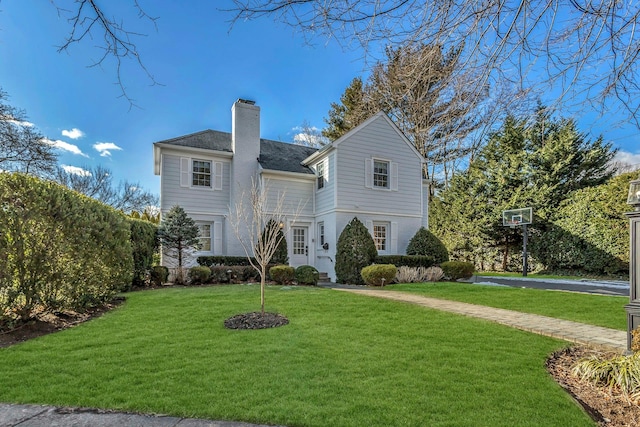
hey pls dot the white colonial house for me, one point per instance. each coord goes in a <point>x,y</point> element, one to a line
<point>372,172</point>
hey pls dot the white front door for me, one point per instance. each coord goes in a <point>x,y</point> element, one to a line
<point>300,246</point>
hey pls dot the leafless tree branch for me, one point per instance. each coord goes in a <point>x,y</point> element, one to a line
<point>115,40</point>
<point>585,50</point>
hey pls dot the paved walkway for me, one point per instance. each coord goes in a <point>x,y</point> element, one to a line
<point>48,416</point>
<point>549,326</point>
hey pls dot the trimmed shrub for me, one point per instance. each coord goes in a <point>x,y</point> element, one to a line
<point>199,275</point>
<point>355,250</point>
<point>227,261</point>
<point>58,248</point>
<point>158,275</point>
<point>144,243</point>
<point>379,274</point>
<point>282,274</point>
<point>454,270</point>
<point>425,243</point>
<point>307,275</point>
<point>406,260</point>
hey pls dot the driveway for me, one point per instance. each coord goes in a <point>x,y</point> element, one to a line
<point>601,287</point>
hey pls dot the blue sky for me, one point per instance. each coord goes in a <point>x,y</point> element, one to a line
<point>203,66</point>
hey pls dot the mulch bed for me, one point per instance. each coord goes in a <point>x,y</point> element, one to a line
<point>47,323</point>
<point>256,320</point>
<point>608,407</point>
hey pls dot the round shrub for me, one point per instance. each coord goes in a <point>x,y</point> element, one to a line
<point>379,274</point>
<point>454,270</point>
<point>158,275</point>
<point>355,250</point>
<point>282,274</point>
<point>199,275</point>
<point>307,275</point>
<point>425,243</point>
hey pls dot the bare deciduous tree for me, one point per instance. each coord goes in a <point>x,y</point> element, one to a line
<point>98,183</point>
<point>586,50</point>
<point>22,147</point>
<point>249,219</point>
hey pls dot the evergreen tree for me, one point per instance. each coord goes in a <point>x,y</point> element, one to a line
<point>349,113</point>
<point>178,232</point>
<point>538,165</point>
<point>355,250</point>
<point>425,243</point>
<point>281,254</point>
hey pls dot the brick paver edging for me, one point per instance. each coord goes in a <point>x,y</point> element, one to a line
<point>543,325</point>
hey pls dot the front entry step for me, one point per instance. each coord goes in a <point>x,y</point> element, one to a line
<point>324,277</point>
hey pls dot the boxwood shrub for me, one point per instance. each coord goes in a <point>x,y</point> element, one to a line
<point>379,274</point>
<point>454,270</point>
<point>282,274</point>
<point>307,275</point>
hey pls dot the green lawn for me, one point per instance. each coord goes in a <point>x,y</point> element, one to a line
<point>600,310</point>
<point>344,360</point>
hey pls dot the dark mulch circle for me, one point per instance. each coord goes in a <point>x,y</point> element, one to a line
<point>256,320</point>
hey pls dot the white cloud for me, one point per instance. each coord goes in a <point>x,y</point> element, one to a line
<point>73,133</point>
<point>65,146</point>
<point>105,148</point>
<point>18,122</point>
<point>75,170</point>
<point>627,158</point>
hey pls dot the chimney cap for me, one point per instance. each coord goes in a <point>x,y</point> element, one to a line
<point>246,101</point>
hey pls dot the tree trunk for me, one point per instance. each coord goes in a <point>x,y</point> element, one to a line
<point>262,282</point>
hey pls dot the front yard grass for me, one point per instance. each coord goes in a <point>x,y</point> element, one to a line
<point>344,360</point>
<point>599,310</point>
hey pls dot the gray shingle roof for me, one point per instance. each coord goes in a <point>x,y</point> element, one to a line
<point>274,155</point>
<point>282,156</point>
<point>208,139</point>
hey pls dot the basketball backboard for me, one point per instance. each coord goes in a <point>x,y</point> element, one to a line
<point>514,217</point>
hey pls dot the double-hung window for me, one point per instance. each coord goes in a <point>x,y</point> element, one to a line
<point>380,174</point>
<point>321,234</point>
<point>380,236</point>
<point>201,173</point>
<point>205,237</point>
<point>320,170</point>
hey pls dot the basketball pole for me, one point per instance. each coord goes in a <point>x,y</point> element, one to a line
<point>524,250</point>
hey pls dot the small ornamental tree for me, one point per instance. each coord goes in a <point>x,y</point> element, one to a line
<point>425,243</point>
<point>355,250</point>
<point>281,254</point>
<point>177,233</point>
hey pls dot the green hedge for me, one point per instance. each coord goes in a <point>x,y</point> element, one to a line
<point>406,260</point>
<point>144,242</point>
<point>307,275</point>
<point>58,248</point>
<point>210,261</point>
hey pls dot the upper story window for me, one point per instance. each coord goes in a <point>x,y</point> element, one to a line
<point>380,174</point>
<point>205,237</point>
<point>201,175</point>
<point>321,172</point>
